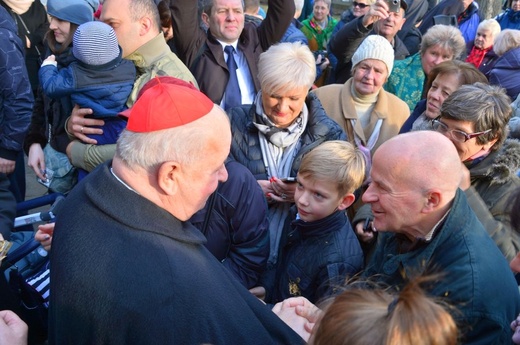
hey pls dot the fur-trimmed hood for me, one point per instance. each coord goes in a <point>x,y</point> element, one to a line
<point>502,165</point>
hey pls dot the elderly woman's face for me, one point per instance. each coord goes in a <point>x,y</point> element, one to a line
<point>369,76</point>
<point>282,108</point>
<point>434,56</point>
<point>443,86</point>
<point>484,38</point>
<point>470,148</point>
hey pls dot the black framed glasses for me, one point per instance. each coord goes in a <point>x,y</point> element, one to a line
<point>360,5</point>
<point>455,134</point>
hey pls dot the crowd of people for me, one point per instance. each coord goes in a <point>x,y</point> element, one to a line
<point>235,175</point>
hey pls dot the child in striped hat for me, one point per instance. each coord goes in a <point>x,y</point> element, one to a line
<point>99,79</point>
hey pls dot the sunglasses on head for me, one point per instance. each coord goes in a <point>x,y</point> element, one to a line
<point>360,5</point>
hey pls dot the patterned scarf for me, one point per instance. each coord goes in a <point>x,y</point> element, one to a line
<point>279,148</point>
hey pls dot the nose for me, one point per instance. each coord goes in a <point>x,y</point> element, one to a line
<point>369,196</point>
<point>302,198</point>
<point>434,94</point>
<point>223,174</point>
<point>283,105</point>
<point>230,16</point>
<point>52,24</point>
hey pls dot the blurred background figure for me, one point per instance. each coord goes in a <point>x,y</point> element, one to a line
<point>480,51</point>
<point>510,18</point>
<point>506,72</point>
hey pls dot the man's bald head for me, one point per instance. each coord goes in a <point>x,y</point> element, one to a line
<point>424,158</point>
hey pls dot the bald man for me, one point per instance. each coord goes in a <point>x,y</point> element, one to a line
<point>427,226</point>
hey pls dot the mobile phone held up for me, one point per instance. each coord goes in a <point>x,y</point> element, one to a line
<point>394,5</point>
<point>288,179</point>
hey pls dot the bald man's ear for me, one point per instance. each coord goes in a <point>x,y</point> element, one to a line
<point>167,177</point>
<point>433,200</point>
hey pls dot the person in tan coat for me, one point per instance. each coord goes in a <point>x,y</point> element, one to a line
<point>368,114</point>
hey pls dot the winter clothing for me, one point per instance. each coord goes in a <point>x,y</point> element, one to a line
<point>74,11</point>
<point>16,99</point>
<point>419,109</point>
<point>407,81</point>
<point>509,19</point>
<point>375,47</point>
<point>294,34</point>
<point>478,281</point>
<point>104,89</point>
<point>514,122</point>
<point>493,181</point>
<point>153,58</point>
<point>95,43</point>
<point>318,37</point>
<point>338,104</point>
<point>7,208</point>
<point>236,232</point>
<point>245,144</point>
<point>468,22</point>
<point>204,55</point>
<point>315,258</point>
<point>37,24</point>
<point>346,41</point>
<point>140,264</point>
<point>506,72</point>
<point>488,62</point>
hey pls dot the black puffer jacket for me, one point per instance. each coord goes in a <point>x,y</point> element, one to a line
<point>245,144</point>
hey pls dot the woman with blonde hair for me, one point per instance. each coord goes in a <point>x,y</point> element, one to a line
<point>506,71</point>
<point>361,316</point>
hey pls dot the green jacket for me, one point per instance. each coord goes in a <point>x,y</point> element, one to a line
<point>407,80</point>
<point>154,58</point>
<point>318,37</point>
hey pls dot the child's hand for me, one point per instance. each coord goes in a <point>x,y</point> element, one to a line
<point>51,60</point>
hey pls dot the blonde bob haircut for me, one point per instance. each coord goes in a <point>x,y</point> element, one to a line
<point>335,161</point>
<point>285,67</point>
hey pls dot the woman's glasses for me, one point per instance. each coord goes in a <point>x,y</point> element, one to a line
<point>455,134</point>
<point>358,4</point>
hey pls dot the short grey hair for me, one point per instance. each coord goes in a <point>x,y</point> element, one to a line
<point>140,8</point>
<point>486,106</point>
<point>184,144</point>
<point>446,36</point>
<point>490,25</point>
<point>506,40</point>
<point>286,66</point>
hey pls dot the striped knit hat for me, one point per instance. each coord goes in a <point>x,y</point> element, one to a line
<point>95,43</point>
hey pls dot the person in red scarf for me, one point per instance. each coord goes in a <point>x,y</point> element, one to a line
<point>480,51</point>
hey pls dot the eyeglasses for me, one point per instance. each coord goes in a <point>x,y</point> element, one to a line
<point>455,134</point>
<point>358,4</point>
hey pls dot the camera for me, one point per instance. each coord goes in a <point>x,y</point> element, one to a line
<point>394,5</point>
<point>323,54</point>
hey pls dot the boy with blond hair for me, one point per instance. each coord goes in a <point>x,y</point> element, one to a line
<point>319,248</point>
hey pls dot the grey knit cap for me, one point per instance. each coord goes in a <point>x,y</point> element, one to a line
<point>74,11</point>
<point>375,47</point>
<point>95,43</point>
